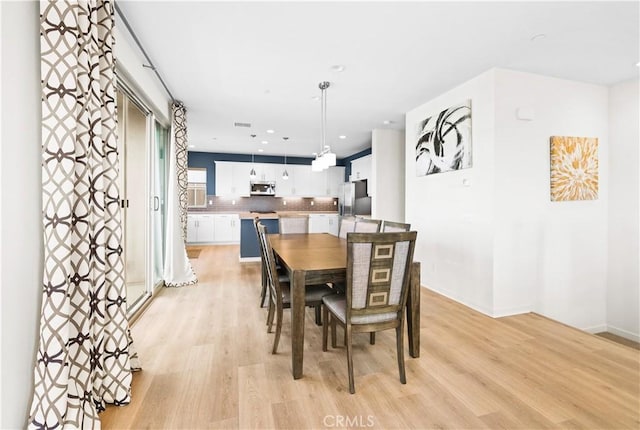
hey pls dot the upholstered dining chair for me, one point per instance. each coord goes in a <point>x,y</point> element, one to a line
<point>366,225</point>
<point>347,225</point>
<point>293,223</point>
<point>392,227</point>
<point>280,294</point>
<point>378,279</point>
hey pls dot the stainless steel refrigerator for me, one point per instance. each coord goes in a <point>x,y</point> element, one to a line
<point>353,199</point>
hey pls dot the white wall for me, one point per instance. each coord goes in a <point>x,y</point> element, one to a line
<point>387,181</point>
<point>454,221</point>
<point>21,275</point>
<point>623,280</point>
<point>549,257</point>
<point>499,244</point>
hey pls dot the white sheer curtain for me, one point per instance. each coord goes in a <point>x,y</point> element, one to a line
<point>177,268</point>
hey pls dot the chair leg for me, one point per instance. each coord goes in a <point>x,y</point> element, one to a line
<point>276,340</point>
<point>325,327</point>
<point>318,314</point>
<point>372,338</point>
<point>270,316</point>
<point>400,347</point>
<point>347,335</point>
<point>263,292</point>
<point>333,332</point>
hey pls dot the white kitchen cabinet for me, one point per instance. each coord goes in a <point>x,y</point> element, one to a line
<point>285,187</point>
<point>323,223</point>
<point>309,183</point>
<point>200,228</point>
<point>361,168</point>
<point>265,171</point>
<point>197,175</point>
<point>227,228</point>
<point>232,179</point>
<point>335,178</point>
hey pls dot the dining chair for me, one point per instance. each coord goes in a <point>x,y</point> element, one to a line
<point>347,225</point>
<point>378,279</point>
<point>366,225</point>
<point>280,294</point>
<point>392,227</point>
<point>293,223</point>
<point>263,265</point>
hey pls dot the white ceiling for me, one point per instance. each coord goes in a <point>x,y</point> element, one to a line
<point>261,62</point>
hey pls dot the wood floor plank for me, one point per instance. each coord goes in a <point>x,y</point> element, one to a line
<point>207,363</point>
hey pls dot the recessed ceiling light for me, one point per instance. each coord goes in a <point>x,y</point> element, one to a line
<point>337,68</point>
<point>260,150</point>
<point>388,121</point>
<point>316,98</point>
<point>264,142</point>
<point>638,64</point>
<point>192,146</point>
<point>213,138</point>
<point>342,136</point>
<point>271,131</point>
<point>537,37</point>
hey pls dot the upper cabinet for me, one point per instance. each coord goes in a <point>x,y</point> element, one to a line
<point>197,188</point>
<point>335,177</point>
<point>361,168</point>
<point>232,179</point>
<point>264,171</point>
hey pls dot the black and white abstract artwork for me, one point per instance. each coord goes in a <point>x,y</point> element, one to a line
<point>444,141</point>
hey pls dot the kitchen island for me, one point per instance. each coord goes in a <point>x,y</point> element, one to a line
<point>319,222</point>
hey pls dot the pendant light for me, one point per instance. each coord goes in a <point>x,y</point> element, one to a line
<point>285,174</point>
<point>325,158</point>
<point>252,173</point>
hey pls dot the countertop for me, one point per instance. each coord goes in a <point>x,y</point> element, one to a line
<point>269,215</point>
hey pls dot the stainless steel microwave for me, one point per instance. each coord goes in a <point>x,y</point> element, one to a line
<point>263,188</point>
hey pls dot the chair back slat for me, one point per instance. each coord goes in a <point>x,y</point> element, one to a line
<point>290,224</point>
<point>392,227</point>
<point>347,225</point>
<point>273,282</point>
<point>378,270</point>
<point>365,225</point>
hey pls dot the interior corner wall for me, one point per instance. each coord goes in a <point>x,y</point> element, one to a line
<point>623,279</point>
<point>21,224</point>
<point>387,182</point>
<point>549,257</point>
<point>453,211</point>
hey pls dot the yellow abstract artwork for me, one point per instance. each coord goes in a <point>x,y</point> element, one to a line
<point>574,168</point>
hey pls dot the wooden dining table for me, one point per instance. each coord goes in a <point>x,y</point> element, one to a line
<point>317,258</point>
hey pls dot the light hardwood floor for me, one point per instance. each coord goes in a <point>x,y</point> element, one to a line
<point>207,364</point>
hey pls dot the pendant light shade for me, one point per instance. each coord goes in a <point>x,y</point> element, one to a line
<point>252,173</point>
<point>285,174</point>
<point>325,158</point>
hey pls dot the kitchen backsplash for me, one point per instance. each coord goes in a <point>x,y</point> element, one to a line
<point>265,203</point>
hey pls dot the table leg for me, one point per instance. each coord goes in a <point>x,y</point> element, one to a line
<point>297,322</point>
<point>413,311</point>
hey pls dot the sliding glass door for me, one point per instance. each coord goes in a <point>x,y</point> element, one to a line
<point>160,171</point>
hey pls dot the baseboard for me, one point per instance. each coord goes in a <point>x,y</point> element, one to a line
<point>595,329</point>
<point>511,311</point>
<point>453,297</point>
<point>249,259</point>
<point>623,333</point>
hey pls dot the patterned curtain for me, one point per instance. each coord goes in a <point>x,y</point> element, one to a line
<point>84,357</point>
<point>177,268</point>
